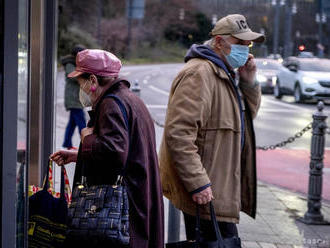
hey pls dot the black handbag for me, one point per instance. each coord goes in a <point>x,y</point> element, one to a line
<point>199,242</point>
<point>47,217</point>
<point>100,213</point>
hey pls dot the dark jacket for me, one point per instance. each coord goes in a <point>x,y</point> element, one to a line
<point>105,152</point>
<point>71,91</point>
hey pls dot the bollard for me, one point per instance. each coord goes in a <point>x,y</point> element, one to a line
<point>136,89</point>
<point>313,216</point>
<point>173,224</point>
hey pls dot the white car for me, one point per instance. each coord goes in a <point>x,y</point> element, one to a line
<point>304,78</point>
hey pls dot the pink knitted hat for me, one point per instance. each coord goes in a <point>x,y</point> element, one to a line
<point>97,62</point>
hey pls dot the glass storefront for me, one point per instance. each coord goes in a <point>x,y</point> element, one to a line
<point>22,121</point>
<point>26,39</point>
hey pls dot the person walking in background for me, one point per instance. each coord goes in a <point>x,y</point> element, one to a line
<point>71,98</point>
<point>208,149</point>
<point>107,145</point>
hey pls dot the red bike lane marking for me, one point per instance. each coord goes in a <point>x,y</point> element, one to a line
<point>290,169</point>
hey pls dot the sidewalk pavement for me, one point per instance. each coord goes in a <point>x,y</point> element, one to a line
<point>277,225</point>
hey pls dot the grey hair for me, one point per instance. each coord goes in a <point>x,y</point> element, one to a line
<point>211,42</point>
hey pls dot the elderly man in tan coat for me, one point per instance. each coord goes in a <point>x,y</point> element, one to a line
<point>208,148</point>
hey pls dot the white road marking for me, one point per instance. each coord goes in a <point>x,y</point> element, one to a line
<point>159,90</point>
<point>145,81</point>
<point>284,104</point>
<point>153,106</point>
<point>263,109</point>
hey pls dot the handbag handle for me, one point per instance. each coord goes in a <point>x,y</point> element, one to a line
<point>46,185</point>
<point>214,223</point>
<point>125,115</point>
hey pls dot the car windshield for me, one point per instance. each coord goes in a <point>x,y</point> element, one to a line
<point>267,65</point>
<point>313,65</point>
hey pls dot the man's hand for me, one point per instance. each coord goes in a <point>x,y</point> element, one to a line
<point>86,131</point>
<point>248,71</point>
<point>203,197</point>
<point>63,157</point>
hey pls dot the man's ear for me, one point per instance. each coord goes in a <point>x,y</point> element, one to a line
<point>218,41</point>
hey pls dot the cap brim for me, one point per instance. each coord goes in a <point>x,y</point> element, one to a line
<point>74,74</point>
<point>252,36</point>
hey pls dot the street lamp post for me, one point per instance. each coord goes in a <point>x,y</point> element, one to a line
<point>290,10</point>
<point>277,4</point>
<point>320,18</point>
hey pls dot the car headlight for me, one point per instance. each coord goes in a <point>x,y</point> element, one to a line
<point>261,78</point>
<point>309,80</point>
<point>273,81</point>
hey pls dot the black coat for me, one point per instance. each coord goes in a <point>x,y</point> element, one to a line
<point>105,152</point>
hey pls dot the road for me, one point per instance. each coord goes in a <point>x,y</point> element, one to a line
<point>277,119</point>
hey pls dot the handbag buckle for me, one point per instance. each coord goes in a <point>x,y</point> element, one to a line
<point>92,210</point>
<point>83,183</point>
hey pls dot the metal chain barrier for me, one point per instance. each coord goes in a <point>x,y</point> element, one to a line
<point>272,147</point>
<point>158,123</point>
<point>288,141</point>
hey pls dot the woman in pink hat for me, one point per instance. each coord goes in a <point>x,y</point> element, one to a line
<point>106,145</point>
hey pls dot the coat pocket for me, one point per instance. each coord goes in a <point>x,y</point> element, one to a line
<point>223,124</point>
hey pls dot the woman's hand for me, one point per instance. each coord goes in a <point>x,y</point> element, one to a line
<point>85,132</point>
<point>63,157</point>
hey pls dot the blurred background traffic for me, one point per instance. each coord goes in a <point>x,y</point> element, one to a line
<point>154,31</point>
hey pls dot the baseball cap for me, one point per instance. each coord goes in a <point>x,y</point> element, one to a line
<point>236,25</point>
<point>97,62</point>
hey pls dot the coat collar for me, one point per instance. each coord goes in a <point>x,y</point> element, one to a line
<point>219,71</point>
<point>108,88</point>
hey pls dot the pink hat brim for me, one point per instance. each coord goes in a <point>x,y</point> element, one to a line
<point>74,74</point>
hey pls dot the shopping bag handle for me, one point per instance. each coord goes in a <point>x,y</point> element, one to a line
<point>46,184</point>
<point>214,224</point>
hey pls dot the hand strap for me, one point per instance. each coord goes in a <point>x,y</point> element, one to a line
<point>46,185</point>
<point>214,223</point>
<point>125,116</point>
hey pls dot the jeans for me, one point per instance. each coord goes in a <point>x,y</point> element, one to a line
<point>227,229</point>
<point>77,118</point>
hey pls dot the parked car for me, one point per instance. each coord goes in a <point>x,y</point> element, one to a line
<point>277,57</point>
<point>266,74</point>
<point>304,78</point>
<point>306,54</point>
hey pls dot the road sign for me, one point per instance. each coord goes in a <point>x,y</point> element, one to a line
<point>135,9</point>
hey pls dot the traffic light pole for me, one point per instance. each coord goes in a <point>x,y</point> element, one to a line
<point>320,51</point>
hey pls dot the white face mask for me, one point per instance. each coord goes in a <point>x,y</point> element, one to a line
<point>84,98</point>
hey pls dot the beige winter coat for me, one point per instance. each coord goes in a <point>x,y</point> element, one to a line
<point>202,142</point>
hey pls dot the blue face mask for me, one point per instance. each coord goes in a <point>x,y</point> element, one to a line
<point>238,55</point>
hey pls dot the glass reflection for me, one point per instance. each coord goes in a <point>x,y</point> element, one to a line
<point>23,83</point>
